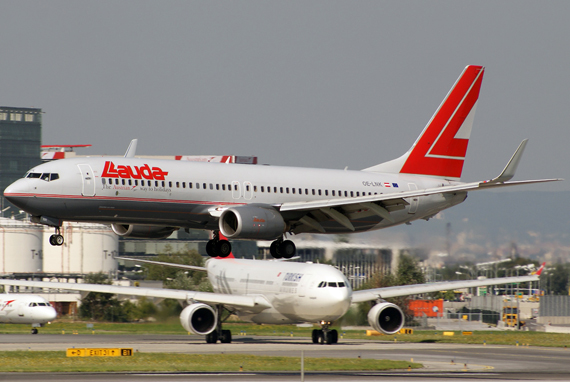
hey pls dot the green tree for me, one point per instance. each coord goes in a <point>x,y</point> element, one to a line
<point>176,278</point>
<point>101,306</point>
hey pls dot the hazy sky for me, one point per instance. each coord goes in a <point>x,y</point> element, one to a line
<point>301,83</point>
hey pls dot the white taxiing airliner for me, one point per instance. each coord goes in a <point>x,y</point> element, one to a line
<point>18,308</point>
<point>153,198</point>
<point>276,292</point>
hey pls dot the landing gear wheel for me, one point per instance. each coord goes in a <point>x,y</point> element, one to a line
<point>223,248</point>
<point>34,331</point>
<point>226,337</point>
<point>334,336</point>
<point>56,240</point>
<point>315,336</point>
<point>211,248</point>
<point>274,250</point>
<point>212,338</point>
<point>287,249</point>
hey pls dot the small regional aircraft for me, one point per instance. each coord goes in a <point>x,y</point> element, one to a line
<point>18,308</point>
<point>276,292</point>
<point>150,198</point>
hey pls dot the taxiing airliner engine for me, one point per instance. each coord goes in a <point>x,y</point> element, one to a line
<point>386,318</point>
<point>199,319</point>
<point>143,231</point>
<point>252,222</point>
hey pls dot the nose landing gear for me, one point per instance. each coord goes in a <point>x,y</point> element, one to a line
<point>57,238</point>
<point>325,335</point>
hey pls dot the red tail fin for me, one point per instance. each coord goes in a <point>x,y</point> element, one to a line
<point>540,269</point>
<point>440,150</point>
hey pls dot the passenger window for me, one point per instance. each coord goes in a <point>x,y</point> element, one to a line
<point>223,187</point>
<point>197,186</point>
<point>136,182</point>
<point>351,193</point>
<point>177,184</point>
<point>103,180</point>
<point>313,191</point>
<point>306,191</point>
<point>262,190</point>
<point>123,181</point>
<point>319,192</point>
<point>254,188</point>
<point>293,190</point>
<point>300,191</point>
<point>117,181</point>
<point>281,189</point>
<point>130,182</point>
<point>190,184</point>
<point>217,186</point>
<point>211,186</point>
<point>357,193</point>
<point>269,189</point>
<point>247,187</point>
<point>170,184</point>
<point>235,187</point>
<point>204,186</point>
<point>275,189</point>
<point>183,184</point>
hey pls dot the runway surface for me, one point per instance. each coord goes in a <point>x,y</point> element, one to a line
<point>449,361</point>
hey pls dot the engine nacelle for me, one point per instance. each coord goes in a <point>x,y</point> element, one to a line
<point>199,319</point>
<point>143,231</point>
<point>386,318</point>
<point>251,222</point>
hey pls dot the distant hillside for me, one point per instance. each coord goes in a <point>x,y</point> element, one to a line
<point>524,217</point>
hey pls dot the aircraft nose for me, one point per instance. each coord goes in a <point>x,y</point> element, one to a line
<point>16,192</point>
<point>48,314</point>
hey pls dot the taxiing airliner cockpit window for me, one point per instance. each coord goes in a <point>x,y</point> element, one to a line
<point>33,304</point>
<point>45,176</point>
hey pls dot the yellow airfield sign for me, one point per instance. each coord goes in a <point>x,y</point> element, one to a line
<point>99,352</point>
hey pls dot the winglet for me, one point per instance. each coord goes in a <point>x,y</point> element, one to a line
<point>540,269</point>
<point>132,149</point>
<point>511,167</point>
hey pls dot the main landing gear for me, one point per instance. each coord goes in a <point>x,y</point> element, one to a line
<point>282,249</point>
<point>325,335</point>
<point>217,247</point>
<point>224,336</point>
<point>57,239</point>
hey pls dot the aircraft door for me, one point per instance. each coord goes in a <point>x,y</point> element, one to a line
<point>21,309</point>
<point>415,201</point>
<point>88,186</point>
<point>236,189</point>
<point>247,190</point>
<point>304,283</point>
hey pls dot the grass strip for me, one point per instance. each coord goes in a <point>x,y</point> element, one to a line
<point>424,336</point>
<point>56,361</point>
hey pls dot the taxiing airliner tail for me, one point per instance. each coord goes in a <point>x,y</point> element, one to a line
<point>441,147</point>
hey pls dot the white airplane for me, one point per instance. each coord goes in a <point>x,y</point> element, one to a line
<point>18,308</point>
<point>276,292</point>
<point>153,198</point>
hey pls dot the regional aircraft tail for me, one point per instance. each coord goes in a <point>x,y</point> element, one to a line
<point>441,147</point>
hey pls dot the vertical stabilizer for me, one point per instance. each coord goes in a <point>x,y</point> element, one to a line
<point>441,147</point>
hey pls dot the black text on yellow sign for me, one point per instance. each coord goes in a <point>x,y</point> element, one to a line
<point>99,352</point>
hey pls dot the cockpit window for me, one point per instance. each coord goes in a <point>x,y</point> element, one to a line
<point>48,177</point>
<point>331,284</point>
<point>33,304</point>
<point>42,304</point>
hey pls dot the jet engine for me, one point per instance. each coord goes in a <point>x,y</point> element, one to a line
<point>199,319</point>
<point>252,222</point>
<point>386,318</point>
<point>143,231</point>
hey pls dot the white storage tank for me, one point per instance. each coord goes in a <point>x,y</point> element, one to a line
<point>88,248</point>
<point>20,246</point>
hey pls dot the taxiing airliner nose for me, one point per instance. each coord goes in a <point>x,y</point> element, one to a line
<point>46,314</point>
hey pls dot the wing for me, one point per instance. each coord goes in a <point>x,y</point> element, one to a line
<point>171,265</point>
<point>188,296</point>
<point>406,290</point>
<point>383,204</point>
